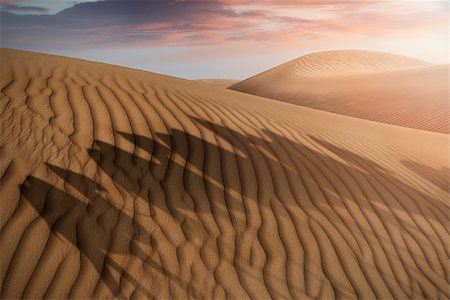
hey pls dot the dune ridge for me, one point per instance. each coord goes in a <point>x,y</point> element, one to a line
<point>220,82</point>
<point>345,62</point>
<point>123,183</point>
<point>369,85</point>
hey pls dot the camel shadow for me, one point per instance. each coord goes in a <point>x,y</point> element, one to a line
<point>177,172</point>
<point>95,226</point>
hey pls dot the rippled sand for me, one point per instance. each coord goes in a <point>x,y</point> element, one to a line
<point>123,183</point>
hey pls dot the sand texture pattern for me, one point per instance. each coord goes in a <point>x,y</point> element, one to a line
<point>123,183</point>
<point>223,83</point>
<point>369,85</point>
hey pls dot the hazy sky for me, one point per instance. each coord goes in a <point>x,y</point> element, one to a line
<point>222,38</point>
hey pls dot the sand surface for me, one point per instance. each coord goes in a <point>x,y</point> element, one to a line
<point>369,85</point>
<point>224,83</point>
<point>123,183</point>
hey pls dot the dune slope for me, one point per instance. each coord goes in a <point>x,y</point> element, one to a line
<point>118,182</point>
<point>369,85</point>
<point>219,82</point>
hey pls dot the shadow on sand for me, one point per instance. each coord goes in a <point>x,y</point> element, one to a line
<point>182,171</point>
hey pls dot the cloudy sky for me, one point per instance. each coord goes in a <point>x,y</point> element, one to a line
<point>222,38</point>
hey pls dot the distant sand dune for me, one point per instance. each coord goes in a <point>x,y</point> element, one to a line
<point>346,62</point>
<point>219,82</point>
<point>369,85</point>
<point>123,183</point>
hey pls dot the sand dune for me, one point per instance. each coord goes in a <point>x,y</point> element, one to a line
<point>124,183</point>
<point>224,83</point>
<point>369,85</point>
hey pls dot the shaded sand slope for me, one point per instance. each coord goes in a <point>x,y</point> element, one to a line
<point>369,85</point>
<point>118,182</point>
<point>224,83</point>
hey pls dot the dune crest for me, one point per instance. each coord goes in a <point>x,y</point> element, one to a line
<point>123,183</point>
<point>345,62</point>
<point>369,85</point>
<point>219,82</point>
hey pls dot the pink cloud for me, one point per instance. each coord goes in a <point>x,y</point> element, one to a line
<point>120,23</point>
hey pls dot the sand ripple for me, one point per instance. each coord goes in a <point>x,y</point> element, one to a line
<point>369,85</point>
<point>117,182</point>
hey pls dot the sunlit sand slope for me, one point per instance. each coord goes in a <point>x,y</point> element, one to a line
<point>224,83</point>
<point>123,183</point>
<point>369,85</point>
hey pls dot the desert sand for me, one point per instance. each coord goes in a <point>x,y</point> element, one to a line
<point>370,85</point>
<point>219,82</point>
<point>123,183</point>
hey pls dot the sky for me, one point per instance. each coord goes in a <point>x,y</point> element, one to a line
<point>222,38</point>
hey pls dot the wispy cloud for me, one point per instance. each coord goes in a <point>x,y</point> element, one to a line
<point>16,8</point>
<point>160,22</point>
<point>167,23</point>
